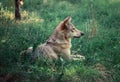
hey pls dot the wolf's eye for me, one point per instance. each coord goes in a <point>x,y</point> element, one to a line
<point>73,30</point>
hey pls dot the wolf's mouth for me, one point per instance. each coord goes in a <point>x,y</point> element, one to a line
<point>81,34</point>
<point>76,36</point>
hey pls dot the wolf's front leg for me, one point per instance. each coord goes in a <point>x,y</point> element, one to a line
<point>66,55</point>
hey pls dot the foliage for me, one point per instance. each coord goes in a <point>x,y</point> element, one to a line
<point>99,19</point>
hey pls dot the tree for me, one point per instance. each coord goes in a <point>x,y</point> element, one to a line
<point>17,10</point>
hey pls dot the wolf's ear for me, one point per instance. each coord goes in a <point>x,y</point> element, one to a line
<point>65,23</point>
<point>67,20</point>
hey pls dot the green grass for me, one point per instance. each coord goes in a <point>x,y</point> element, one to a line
<point>38,22</point>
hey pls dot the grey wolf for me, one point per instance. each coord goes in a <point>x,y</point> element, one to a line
<point>59,43</point>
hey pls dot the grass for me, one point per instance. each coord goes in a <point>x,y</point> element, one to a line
<point>100,45</point>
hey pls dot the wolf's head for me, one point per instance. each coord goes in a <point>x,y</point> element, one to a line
<point>69,29</point>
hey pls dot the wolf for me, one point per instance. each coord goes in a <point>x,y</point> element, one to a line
<point>58,44</point>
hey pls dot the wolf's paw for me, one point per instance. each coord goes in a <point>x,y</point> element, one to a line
<point>78,57</point>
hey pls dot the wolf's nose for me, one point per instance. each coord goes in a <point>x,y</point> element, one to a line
<point>82,33</point>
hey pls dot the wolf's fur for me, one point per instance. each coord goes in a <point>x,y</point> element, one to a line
<point>59,43</point>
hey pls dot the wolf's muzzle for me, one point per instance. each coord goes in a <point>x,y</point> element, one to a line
<point>82,34</point>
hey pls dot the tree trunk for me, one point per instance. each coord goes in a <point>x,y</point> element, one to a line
<point>17,10</point>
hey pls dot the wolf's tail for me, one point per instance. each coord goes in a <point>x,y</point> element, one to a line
<point>26,54</point>
<point>28,51</point>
